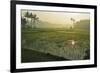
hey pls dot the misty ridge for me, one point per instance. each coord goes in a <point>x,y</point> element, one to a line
<point>32,20</point>
<point>82,24</point>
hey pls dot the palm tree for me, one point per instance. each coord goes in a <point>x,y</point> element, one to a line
<point>35,18</point>
<point>30,16</point>
<point>23,22</point>
<point>27,16</point>
<point>73,22</point>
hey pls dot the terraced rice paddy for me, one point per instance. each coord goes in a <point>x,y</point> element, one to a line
<point>62,43</point>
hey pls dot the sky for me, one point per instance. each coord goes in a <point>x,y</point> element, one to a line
<point>59,17</point>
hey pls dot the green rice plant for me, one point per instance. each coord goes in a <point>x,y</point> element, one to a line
<point>58,42</point>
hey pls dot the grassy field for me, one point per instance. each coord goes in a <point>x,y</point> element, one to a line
<point>67,44</point>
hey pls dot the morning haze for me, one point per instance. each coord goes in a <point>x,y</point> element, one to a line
<point>59,19</point>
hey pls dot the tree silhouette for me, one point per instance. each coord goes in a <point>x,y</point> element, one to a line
<point>23,22</point>
<point>73,22</point>
<point>27,16</point>
<point>30,16</point>
<point>35,18</point>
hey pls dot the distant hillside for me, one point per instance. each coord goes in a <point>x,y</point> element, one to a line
<point>44,24</point>
<point>83,24</point>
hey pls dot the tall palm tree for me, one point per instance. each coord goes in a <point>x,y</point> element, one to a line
<point>23,22</point>
<point>31,16</point>
<point>73,22</point>
<point>27,16</point>
<point>35,18</point>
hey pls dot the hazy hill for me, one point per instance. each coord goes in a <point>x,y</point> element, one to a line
<point>44,24</point>
<point>83,24</point>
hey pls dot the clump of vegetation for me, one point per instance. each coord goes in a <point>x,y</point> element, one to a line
<point>87,56</point>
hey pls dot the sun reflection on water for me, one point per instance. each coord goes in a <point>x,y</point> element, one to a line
<point>72,42</point>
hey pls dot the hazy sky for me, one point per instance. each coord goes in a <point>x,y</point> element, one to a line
<point>59,17</point>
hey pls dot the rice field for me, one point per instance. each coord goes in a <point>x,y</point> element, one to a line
<point>68,44</point>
